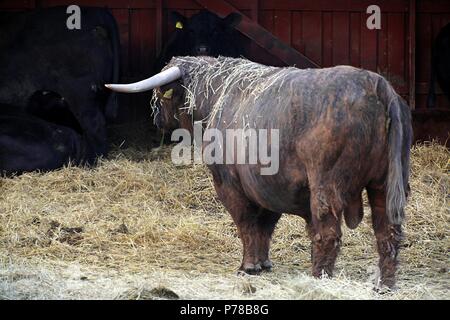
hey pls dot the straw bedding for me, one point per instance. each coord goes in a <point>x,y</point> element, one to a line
<point>138,227</point>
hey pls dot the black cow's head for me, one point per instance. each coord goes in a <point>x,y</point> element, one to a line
<point>206,34</point>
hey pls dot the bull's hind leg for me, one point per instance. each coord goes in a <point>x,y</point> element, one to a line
<point>388,237</point>
<point>255,227</point>
<point>325,232</point>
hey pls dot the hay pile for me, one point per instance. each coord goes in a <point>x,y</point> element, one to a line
<point>137,222</point>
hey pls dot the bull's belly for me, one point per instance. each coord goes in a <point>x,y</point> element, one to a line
<point>285,192</point>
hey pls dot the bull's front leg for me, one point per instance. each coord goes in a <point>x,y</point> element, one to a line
<point>324,230</point>
<point>388,238</point>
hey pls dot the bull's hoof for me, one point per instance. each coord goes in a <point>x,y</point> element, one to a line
<point>381,290</point>
<point>267,265</point>
<point>383,285</point>
<point>322,273</point>
<point>250,268</point>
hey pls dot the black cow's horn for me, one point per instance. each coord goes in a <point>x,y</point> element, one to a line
<point>157,80</point>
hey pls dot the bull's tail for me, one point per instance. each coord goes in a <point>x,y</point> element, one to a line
<point>399,142</point>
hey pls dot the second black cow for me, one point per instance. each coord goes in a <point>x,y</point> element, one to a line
<point>203,34</point>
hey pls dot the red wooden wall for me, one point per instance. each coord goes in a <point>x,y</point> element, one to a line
<point>328,32</point>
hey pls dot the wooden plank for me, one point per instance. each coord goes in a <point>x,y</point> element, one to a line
<point>412,54</point>
<point>282,25</point>
<point>422,88</point>
<point>433,6</point>
<point>142,41</point>
<point>135,4</point>
<point>341,39</point>
<point>266,19</point>
<point>312,35</point>
<point>382,55</point>
<point>159,27</point>
<point>14,4</point>
<point>255,10</point>
<point>247,13</point>
<point>424,41</point>
<point>396,51</point>
<point>122,19</point>
<point>368,46</point>
<point>260,35</point>
<point>327,39</point>
<point>355,39</point>
<point>335,5</point>
<point>297,31</point>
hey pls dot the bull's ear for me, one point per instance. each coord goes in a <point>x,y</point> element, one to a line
<point>232,20</point>
<point>178,19</point>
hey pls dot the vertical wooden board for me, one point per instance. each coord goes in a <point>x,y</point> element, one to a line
<point>341,39</point>
<point>396,51</point>
<point>142,41</point>
<point>312,35</point>
<point>122,19</point>
<point>282,25</point>
<point>355,39</point>
<point>297,31</point>
<point>368,46</point>
<point>423,47</point>
<point>382,65</point>
<point>266,19</point>
<point>327,39</point>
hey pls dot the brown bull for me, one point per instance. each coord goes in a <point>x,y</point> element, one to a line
<point>342,130</point>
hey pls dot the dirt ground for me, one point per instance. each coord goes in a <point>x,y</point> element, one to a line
<point>138,227</point>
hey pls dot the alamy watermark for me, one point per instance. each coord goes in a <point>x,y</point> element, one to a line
<point>73,22</point>
<point>230,146</point>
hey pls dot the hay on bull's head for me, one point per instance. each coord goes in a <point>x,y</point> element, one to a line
<point>206,77</point>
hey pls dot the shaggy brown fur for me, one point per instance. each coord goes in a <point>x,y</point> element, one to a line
<point>342,129</point>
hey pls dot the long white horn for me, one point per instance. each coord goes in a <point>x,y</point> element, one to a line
<point>158,80</point>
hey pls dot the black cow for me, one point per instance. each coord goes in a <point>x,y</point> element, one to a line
<point>203,34</point>
<point>28,142</point>
<point>440,65</point>
<point>38,52</point>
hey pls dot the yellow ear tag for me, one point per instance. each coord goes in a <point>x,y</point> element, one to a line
<point>179,25</point>
<point>168,94</point>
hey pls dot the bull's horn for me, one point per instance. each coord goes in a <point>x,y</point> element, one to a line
<point>158,80</point>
